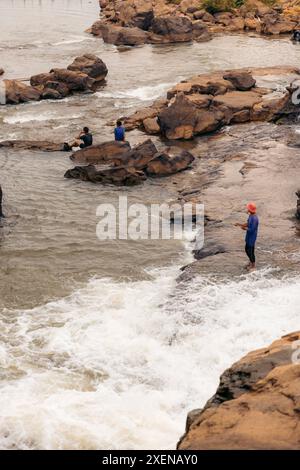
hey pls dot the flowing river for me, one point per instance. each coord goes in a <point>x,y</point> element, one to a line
<point>99,349</point>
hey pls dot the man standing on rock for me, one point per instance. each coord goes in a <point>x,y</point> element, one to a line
<point>251,226</point>
<point>1,213</point>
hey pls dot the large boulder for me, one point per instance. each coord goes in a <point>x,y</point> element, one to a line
<point>41,79</point>
<point>137,13</point>
<point>171,29</point>
<point>75,81</point>
<point>273,23</point>
<point>17,92</point>
<point>256,405</point>
<point>106,152</point>
<point>119,176</point>
<point>119,35</point>
<point>91,65</point>
<point>138,157</point>
<point>165,165</point>
<point>242,81</point>
<point>183,120</point>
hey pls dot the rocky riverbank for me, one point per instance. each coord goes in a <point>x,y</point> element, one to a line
<point>256,405</point>
<point>136,22</point>
<point>85,74</point>
<point>208,102</point>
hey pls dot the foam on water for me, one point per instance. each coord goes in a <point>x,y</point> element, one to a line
<point>118,365</point>
<point>144,93</point>
<point>21,118</point>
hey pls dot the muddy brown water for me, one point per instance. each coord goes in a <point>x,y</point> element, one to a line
<point>94,370</point>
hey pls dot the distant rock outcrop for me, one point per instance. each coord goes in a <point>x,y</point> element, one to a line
<point>135,22</point>
<point>256,405</point>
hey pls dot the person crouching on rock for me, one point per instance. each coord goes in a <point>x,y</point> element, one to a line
<point>251,226</point>
<point>85,139</point>
<point>1,213</point>
<point>119,132</point>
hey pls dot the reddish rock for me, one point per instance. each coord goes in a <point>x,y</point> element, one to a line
<point>101,153</point>
<point>91,65</point>
<point>242,81</point>
<point>17,92</point>
<point>165,165</point>
<point>172,29</point>
<point>256,405</point>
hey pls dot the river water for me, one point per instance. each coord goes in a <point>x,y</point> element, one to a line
<point>99,348</point>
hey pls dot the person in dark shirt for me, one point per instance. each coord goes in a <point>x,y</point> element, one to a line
<point>1,213</point>
<point>251,227</point>
<point>85,139</point>
<point>119,132</point>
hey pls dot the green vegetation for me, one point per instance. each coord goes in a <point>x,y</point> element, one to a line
<point>217,6</point>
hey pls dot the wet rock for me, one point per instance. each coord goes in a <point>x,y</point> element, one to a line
<point>119,35</point>
<point>17,92</point>
<point>75,81</point>
<point>80,76</point>
<point>41,79</point>
<point>165,165</point>
<point>42,145</point>
<point>138,157</point>
<point>209,249</point>
<point>172,29</point>
<point>101,153</point>
<point>55,90</point>
<point>119,176</point>
<point>151,126</point>
<point>242,81</point>
<point>91,65</point>
<point>256,405</point>
<point>183,120</point>
<point>200,32</point>
<point>273,23</point>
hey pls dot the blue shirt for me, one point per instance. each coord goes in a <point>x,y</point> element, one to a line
<point>119,133</point>
<point>252,229</point>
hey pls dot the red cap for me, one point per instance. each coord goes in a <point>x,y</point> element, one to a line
<point>251,206</point>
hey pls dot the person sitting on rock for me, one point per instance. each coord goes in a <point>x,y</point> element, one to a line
<point>1,213</point>
<point>119,132</point>
<point>85,139</point>
<point>251,226</point>
<point>296,36</point>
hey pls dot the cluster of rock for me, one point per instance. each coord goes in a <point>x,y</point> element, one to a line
<point>256,405</point>
<point>207,102</point>
<point>136,22</point>
<point>83,75</point>
<point>119,164</point>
